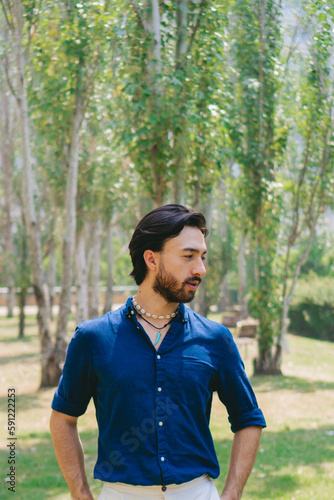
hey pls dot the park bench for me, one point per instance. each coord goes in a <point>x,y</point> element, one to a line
<point>245,333</point>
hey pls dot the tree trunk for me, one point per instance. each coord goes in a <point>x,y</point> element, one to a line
<point>154,28</point>
<point>6,151</point>
<point>34,240</point>
<point>202,302</point>
<point>180,51</point>
<point>267,364</point>
<point>179,192</point>
<point>110,262</point>
<point>242,276</point>
<point>22,303</point>
<point>81,283</point>
<point>153,66</point>
<point>224,235</point>
<point>288,292</point>
<point>224,302</point>
<point>70,229</point>
<point>95,273</point>
<point>52,275</point>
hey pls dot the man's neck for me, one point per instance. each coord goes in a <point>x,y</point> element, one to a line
<point>153,302</point>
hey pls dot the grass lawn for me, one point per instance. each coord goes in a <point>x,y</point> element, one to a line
<point>296,456</point>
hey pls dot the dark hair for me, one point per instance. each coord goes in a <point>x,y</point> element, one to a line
<point>155,228</point>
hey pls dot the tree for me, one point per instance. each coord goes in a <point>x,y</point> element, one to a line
<point>6,159</point>
<point>68,58</point>
<point>19,39</point>
<point>309,182</point>
<point>166,98</point>
<point>255,27</point>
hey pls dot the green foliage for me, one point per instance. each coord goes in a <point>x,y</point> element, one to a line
<point>257,139</point>
<point>172,123</point>
<point>321,258</point>
<point>315,289</point>
<point>312,310</point>
<point>255,28</point>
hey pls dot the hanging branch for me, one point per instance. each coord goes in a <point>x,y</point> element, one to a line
<point>197,24</point>
<point>5,65</point>
<point>6,9</point>
<point>139,15</point>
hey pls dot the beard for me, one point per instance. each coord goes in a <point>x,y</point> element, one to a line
<point>171,289</point>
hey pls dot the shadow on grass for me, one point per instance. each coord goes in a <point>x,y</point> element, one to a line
<point>25,401</point>
<point>272,383</point>
<point>279,453</point>
<point>20,358</point>
<point>38,475</point>
<point>12,339</point>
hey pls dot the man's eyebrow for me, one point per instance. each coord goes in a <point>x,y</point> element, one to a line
<point>194,250</point>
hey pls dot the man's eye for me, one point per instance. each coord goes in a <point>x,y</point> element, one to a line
<point>188,256</point>
<point>203,259</point>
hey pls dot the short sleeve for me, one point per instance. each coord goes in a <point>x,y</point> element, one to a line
<point>235,390</point>
<point>75,387</point>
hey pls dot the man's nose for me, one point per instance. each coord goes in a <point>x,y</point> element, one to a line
<point>199,269</point>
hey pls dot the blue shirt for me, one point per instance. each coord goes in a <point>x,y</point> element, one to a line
<point>153,407</point>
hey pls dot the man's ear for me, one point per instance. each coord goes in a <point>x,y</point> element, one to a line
<point>151,260</point>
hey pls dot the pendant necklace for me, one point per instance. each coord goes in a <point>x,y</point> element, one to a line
<point>141,312</point>
<point>156,327</point>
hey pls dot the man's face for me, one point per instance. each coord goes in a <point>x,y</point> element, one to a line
<point>181,266</point>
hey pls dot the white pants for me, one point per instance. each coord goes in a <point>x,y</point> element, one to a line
<point>201,488</point>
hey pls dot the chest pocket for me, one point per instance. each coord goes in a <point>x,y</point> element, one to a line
<point>192,381</point>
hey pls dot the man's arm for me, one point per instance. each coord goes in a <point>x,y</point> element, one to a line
<point>69,454</point>
<point>242,458</point>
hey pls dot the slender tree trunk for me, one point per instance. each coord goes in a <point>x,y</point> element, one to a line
<point>224,302</point>
<point>242,276</point>
<point>154,74</point>
<point>52,271</point>
<point>81,282</point>
<point>289,291</point>
<point>154,28</point>
<point>180,51</point>
<point>23,276</point>
<point>95,273</point>
<point>181,36</point>
<point>110,263</point>
<point>22,303</point>
<point>6,152</point>
<point>202,302</point>
<point>34,240</point>
<point>70,229</point>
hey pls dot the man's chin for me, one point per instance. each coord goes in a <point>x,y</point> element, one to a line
<point>189,297</point>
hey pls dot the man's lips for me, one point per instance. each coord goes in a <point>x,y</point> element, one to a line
<point>193,284</point>
<point>193,287</point>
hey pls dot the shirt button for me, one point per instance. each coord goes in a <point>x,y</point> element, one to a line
<point>162,459</point>
<point>161,424</point>
<point>159,389</point>
<point>158,356</point>
<point>164,488</point>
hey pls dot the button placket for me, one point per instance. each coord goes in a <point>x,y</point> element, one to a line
<point>160,413</point>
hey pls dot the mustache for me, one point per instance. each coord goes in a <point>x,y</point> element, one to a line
<point>192,280</point>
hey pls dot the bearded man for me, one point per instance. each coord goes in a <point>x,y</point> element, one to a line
<point>151,368</point>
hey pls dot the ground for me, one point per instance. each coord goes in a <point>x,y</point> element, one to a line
<point>295,459</point>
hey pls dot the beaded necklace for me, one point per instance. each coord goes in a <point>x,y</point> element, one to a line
<point>141,313</point>
<point>156,327</point>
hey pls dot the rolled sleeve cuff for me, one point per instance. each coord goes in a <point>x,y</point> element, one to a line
<point>253,417</point>
<point>63,406</point>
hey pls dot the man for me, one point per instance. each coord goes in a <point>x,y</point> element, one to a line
<point>152,367</point>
